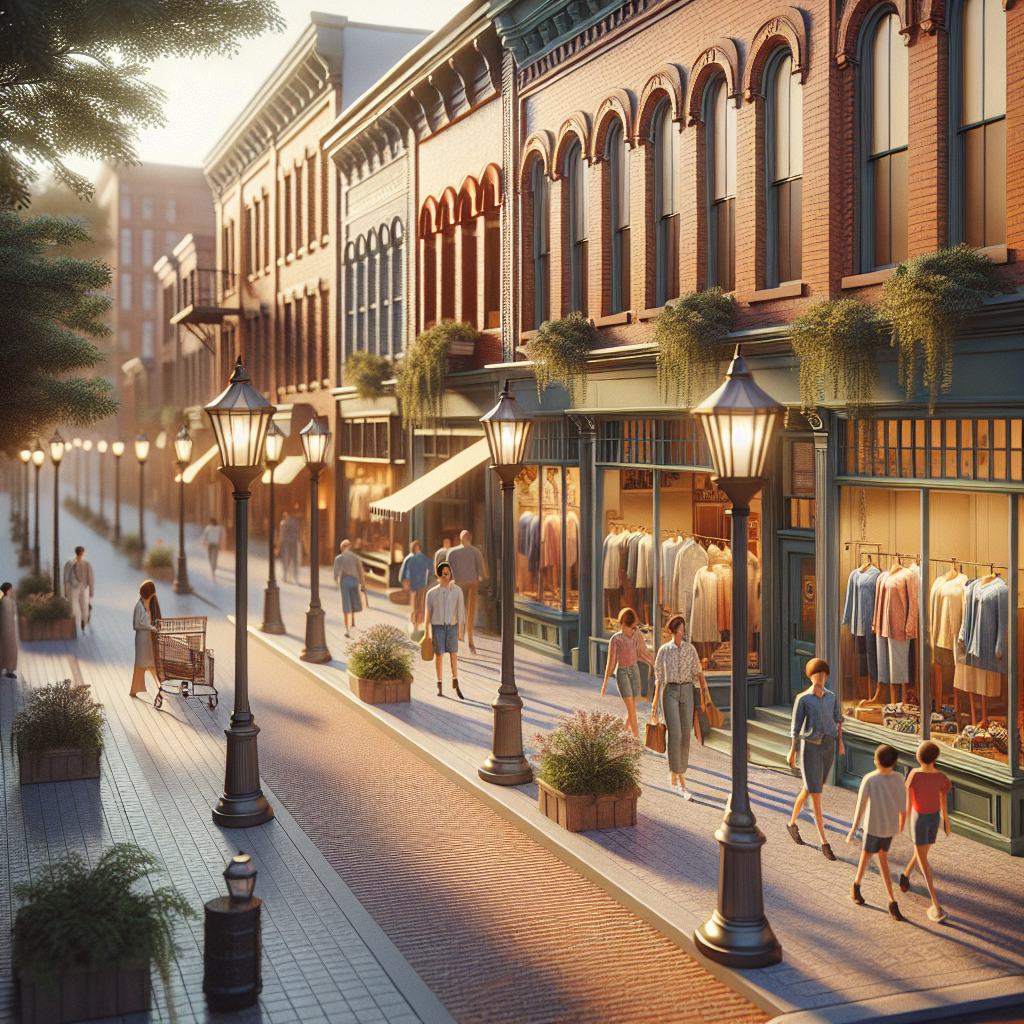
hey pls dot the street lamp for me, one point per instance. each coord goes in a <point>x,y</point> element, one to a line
<point>56,444</point>
<point>117,447</point>
<point>101,447</point>
<point>26,457</point>
<point>739,422</point>
<point>316,439</point>
<point>272,595</point>
<point>240,416</point>
<point>183,456</point>
<point>142,453</point>
<point>38,458</point>
<point>76,443</point>
<point>508,431</point>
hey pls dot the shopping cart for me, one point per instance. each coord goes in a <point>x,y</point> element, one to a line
<point>183,662</point>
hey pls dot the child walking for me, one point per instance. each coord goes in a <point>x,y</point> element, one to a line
<point>882,795</point>
<point>926,806</point>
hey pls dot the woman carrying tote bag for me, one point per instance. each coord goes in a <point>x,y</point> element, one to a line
<point>445,623</point>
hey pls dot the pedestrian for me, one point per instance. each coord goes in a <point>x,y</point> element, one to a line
<point>881,799</point>
<point>211,541</point>
<point>288,546</point>
<point>441,554</point>
<point>677,670</point>
<point>468,569</point>
<point>446,620</point>
<point>147,613</point>
<point>414,576</point>
<point>78,586</point>
<point>818,725</point>
<point>8,631</point>
<point>348,574</point>
<point>927,789</point>
<point>626,649</point>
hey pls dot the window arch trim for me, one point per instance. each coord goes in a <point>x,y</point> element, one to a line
<point>784,29</point>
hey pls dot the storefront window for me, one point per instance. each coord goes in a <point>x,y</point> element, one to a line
<point>371,535</point>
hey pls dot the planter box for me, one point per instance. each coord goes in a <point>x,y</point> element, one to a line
<point>59,766</point>
<point>85,994</point>
<point>384,691</point>
<point>163,574</point>
<point>587,813</point>
<point>60,629</point>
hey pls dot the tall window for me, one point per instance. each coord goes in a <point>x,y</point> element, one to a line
<point>784,161</point>
<point>468,270</point>
<point>541,245</point>
<point>666,216</point>
<point>885,111</point>
<point>373,294</point>
<point>360,295</point>
<point>978,196</point>
<point>618,220</point>
<point>576,211</point>
<point>492,264</point>
<point>397,289</point>
<point>384,291</point>
<point>447,266</point>
<point>720,122</point>
<point>372,268</point>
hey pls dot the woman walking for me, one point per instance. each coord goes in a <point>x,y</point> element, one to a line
<point>677,670</point>
<point>147,612</point>
<point>445,623</point>
<point>626,649</point>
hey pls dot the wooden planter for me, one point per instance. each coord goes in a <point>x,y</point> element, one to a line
<point>87,993</point>
<point>587,813</point>
<point>59,766</point>
<point>60,629</point>
<point>162,574</point>
<point>382,691</point>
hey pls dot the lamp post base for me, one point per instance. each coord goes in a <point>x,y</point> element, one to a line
<point>505,765</point>
<point>315,649</point>
<point>181,583</point>
<point>272,610</point>
<point>242,803</point>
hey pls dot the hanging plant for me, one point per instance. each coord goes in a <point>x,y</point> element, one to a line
<point>837,342</point>
<point>367,372</point>
<point>420,375</point>
<point>690,335</point>
<point>926,300</point>
<point>559,353</point>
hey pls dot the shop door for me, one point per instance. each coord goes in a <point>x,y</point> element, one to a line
<point>801,602</point>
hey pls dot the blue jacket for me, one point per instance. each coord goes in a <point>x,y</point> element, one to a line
<point>417,569</point>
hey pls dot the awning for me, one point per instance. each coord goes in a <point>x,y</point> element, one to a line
<point>287,470</point>
<point>193,469</point>
<point>396,505</point>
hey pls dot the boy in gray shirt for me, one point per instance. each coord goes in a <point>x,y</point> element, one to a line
<point>884,794</point>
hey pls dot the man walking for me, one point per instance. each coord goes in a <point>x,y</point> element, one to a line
<point>414,576</point>
<point>211,541</point>
<point>441,554</point>
<point>348,574</point>
<point>78,585</point>
<point>468,569</point>
<point>288,546</point>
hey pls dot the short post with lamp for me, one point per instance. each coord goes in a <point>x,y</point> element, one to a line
<point>38,458</point>
<point>240,416</point>
<point>316,440</point>
<point>26,457</point>
<point>142,453</point>
<point>56,445</point>
<point>183,456</point>
<point>233,946</point>
<point>508,431</point>
<point>86,448</point>
<point>117,448</point>
<point>739,422</point>
<point>101,450</point>
<point>272,595</point>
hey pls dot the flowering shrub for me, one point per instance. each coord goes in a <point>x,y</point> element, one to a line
<point>44,608</point>
<point>590,753</point>
<point>160,556</point>
<point>382,652</point>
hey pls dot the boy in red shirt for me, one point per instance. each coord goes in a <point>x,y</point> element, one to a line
<point>926,807</point>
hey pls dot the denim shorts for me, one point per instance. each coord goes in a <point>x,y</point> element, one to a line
<point>872,844</point>
<point>925,827</point>
<point>445,639</point>
<point>627,679</point>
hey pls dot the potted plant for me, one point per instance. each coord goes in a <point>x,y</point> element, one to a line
<point>58,735</point>
<point>159,563</point>
<point>131,545</point>
<point>589,772</point>
<point>559,353</point>
<point>84,938</point>
<point>420,375</point>
<point>367,372</point>
<point>43,614</point>
<point>380,666</point>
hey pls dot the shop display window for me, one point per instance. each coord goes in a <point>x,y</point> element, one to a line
<point>371,535</point>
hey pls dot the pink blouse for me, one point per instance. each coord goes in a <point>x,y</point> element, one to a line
<point>627,649</point>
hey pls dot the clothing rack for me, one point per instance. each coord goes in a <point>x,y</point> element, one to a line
<point>895,554</point>
<point>698,536</point>
<point>966,561</point>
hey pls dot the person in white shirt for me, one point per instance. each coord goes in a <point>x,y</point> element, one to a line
<point>78,586</point>
<point>445,624</point>
<point>211,541</point>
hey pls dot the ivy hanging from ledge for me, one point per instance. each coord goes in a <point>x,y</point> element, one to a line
<point>367,372</point>
<point>559,353</point>
<point>420,375</point>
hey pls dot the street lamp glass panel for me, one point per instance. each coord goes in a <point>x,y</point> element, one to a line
<point>77,442</point>
<point>240,876</point>
<point>87,446</point>
<point>142,448</point>
<point>739,421</point>
<point>101,447</point>
<point>240,416</point>
<point>56,444</point>
<point>183,446</point>
<point>508,430</point>
<point>38,457</point>
<point>316,439</point>
<point>25,455</point>
<point>275,444</point>
<point>117,447</point>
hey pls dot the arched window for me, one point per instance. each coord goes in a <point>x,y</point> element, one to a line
<point>428,276</point>
<point>784,164</point>
<point>666,216</point>
<point>469,227</point>
<point>884,133</point>
<point>978,113</point>
<point>384,293</point>
<point>360,295</point>
<point>397,291</point>
<point>618,216</point>
<point>539,193</point>
<point>447,296</point>
<point>720,127</point>
<point>372,268</point>
<point>576,212</point>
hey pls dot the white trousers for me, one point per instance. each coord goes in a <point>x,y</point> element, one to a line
<point>80,604</point>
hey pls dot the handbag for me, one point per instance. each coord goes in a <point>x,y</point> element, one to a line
<point>701,725</point>
<point>654,738</point>
<point>715,719</point>
<point>427,648</point>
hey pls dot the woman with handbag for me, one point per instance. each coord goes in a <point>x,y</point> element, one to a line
<point>677,669</point>
<point>626,649</point>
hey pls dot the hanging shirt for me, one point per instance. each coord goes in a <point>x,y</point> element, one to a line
<point>703,624</point>
<point>896,597</point>
<point>689,558</point>
<point>669,550</point>
<point>572,538</point>
<point>645,562</point>
<point>611,562</point>
<point>753,593</point>
<point>723,570</point>
<point>859,606</point>
<point>551,539</point>
<point>946,610</point>
<point>983,631</point>
<point>632,547</point>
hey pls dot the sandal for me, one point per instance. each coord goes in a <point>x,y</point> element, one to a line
<point>856,896</point>
<point>937,914</point>
<point>904,883</point>
<point>894,912</point>
<point>827,851</point>
<point>794,831</point>
<point>440,688</point>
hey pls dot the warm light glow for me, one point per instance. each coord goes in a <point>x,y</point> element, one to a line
<point>38,457</point>
<point>508,430</point>
<point>274,444</point>
<point>316,439</point>
<point>87,446</point>
<point>101,447</point>
<point>240,416</point>
<point>142,448</point>
<point>117,447</point>
<point>25,455</point>
<point>183,447</point>
<point>161,440</point>
<point>240,876</point>
<point>56,445</point>
<point>77,442</point>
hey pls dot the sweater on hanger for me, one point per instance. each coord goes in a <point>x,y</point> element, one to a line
<point>859,607</point>
<point>983,631</point>
<point>610,562</point>
<point>669,550</point>
<point>689,558</point>
<point>645,563</point>
<point>896,598</point>
<point>946,610</point>
<point>753,593</point>
<point>723,570</point>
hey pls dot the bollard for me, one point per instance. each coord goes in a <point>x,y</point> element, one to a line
<point>233,948</point>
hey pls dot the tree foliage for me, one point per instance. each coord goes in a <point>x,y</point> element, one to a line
<point>71,76</point>
<point>50,308</point>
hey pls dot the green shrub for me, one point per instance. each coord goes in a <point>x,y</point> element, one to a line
<point>382,652</point>
<point>420,375</point>
<point>31,584</point>
<point>44,608</point>
<point>130,543</point>
<point>60,716</point>
<point>589,754</point>
<point>77,916</point>
<point>559,353</point>
<point>366,372</point>
<point>159,556</point>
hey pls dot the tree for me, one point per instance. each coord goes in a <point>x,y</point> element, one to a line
<point>50,307</point>
<point>71,76</point>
